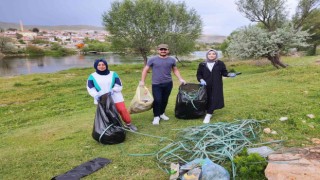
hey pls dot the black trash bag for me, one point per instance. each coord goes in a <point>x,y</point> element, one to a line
<point>107,127</point>
<point>83,169</point>
<point>191,101</point>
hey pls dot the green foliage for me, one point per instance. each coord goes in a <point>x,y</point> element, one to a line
<point>184,28</point>
<point>39,41</point>
<point>19,36</point>
<point>57,50</point>
<point>140,25</point>
<point>250,166</point>
<point>21,41</point>
<point>255,42</point>
<point>95,45</point>
<point>271,13</point>
<point>6,45</point>
<point>223,47</point>
<point>312,24</point>
<point>35,51</point>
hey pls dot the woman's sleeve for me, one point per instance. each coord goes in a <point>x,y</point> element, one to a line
<point>117,87</point>
<point>90,87</point>
<point>199,72</point>
<point>223,70</point>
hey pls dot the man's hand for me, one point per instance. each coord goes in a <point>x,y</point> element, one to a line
<point>141,83</point>
<point>182,81</point>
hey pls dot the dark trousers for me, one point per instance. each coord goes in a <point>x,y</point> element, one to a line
<point>161,93</point>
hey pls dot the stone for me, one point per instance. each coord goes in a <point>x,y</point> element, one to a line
<point>300,163</point>
<point>315,141</point>
<point>283,118</point>
<point>267,130</point>
<point>311,116</point>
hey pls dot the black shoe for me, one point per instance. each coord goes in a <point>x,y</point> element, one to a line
<point>132,127</point>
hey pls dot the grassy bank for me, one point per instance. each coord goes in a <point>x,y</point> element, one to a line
<point>46,119</point>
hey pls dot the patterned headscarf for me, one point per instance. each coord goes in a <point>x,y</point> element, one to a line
<point>211,61</point>
<point>95,65</point>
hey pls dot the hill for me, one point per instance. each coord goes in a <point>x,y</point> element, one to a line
<point>211,39</point>
<point>6,25</point>
<point>205,38</point>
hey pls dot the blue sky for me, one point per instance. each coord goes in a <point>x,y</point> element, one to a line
<point>220,17</point>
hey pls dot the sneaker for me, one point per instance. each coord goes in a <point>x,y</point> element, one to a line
<point>156,120</point>
<point>132,127</point>
<point>164,117</point>
<point>207,119</point>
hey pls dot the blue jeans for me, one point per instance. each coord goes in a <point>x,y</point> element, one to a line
<point>161,93</point>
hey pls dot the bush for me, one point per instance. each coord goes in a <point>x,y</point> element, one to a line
<point>34,51</point>
<point>250,166</point>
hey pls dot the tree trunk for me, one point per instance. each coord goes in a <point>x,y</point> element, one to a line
<point>145,59</point>
<point>144,56</point>
<point>179,60</point>
<point>275,60</point>
<point>314,49</point>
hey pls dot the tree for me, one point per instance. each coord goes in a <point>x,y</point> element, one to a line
<point>140,24</point>
<point>255,42</point>
<point>312,24</point>
<point>184,28</point>
<point>36,30</point>
<point>19,36</point>
<point>304,9</point>
<point>6,45</point>
<point>272,16</point>
<point>12,29</point>
<point>271,13</point>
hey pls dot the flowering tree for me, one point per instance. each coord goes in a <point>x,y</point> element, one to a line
<point>273,32</point>
<point>255,42</point>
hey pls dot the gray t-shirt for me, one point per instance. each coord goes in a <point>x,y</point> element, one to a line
<point>161,69</point>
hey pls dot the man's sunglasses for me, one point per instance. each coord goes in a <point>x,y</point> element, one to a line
<point>163,49</point>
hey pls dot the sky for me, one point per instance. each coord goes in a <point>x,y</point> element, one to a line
<point>219,17</point>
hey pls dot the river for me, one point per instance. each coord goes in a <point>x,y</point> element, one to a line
<point>13,66</point>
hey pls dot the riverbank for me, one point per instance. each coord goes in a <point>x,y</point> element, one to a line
<point>46,119</point>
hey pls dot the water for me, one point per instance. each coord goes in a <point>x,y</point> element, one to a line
<point>12,66</point>
<point>29,65</point>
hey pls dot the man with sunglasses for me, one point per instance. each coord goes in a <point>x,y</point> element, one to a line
<point>161,66</point>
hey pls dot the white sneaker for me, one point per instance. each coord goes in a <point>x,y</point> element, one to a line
<point>156,120</point>
<point>207,118</point>
<point>164,117</point>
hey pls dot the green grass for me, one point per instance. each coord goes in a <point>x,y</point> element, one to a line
<point>46,119</point>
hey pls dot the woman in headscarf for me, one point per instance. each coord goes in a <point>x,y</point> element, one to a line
<point>210,74</point>
<point>104,81</point>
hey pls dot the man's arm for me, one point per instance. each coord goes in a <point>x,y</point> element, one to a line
<point>177,73</point>
<point>144,74</point>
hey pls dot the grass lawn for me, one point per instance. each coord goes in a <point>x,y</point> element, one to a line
<point>46,119</point>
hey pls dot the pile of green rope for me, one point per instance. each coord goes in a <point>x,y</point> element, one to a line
<point>219,142</point>
<point>191,96</point>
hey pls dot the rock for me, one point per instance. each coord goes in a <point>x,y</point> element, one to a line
<point>267,130</point>
<point>315,141</point>
<point>263,151</point>
<point>283,118</point>
<point>303,163</point>
<point>311,126</point>
<point>311,116</point>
